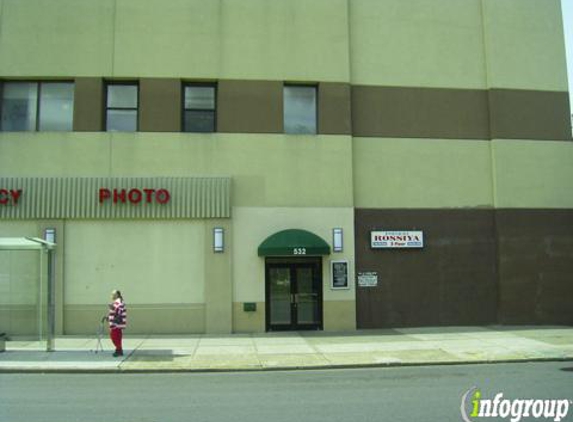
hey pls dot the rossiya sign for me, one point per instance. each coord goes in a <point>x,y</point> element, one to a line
<point>396,239</point>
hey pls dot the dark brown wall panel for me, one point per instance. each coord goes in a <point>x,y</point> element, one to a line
<point>398,112</point>
<point>334,115</point>
<point>249,106</point>
<point>521,114</point>
<point>88,105</point>
<point>477,267</point>
<point>536,266</point>
<point>160,105</point>
<point>451,281</point>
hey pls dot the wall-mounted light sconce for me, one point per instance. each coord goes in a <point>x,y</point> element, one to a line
<point>218,240</point>
<point>337,240</point>
<point>50,235</point>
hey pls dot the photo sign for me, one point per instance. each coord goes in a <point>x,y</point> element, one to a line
<point>396,239</point>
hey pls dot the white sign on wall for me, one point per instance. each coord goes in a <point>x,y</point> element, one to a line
<point>396,239</point>
<point>368,279</point>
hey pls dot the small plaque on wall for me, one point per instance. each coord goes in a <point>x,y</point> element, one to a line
<point>368,279</point>
<point>249,307</point>
<point>339,275</point>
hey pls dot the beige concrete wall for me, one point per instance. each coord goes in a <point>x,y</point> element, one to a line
<point>458,44</point>
<point>267,170</point>
<point>248,322</point>
<point>251,226</point>
<point>161,318</point>
<point>311,175</point>
<point>421,43</point>
<point>158,265</point>
<point>58,257</point>
<point>339,315</point>
<point>422,173</point>
<point>218,279</point>
<point>252,39</point>
<point>69,38</point>
<point>524,44</point>
<point>55,154</point>
<point>533,174</point>
<point>149,261</point>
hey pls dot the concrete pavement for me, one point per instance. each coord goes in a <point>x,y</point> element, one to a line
<point>294,350</point>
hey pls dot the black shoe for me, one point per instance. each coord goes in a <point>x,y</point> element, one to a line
<point>116,354</point>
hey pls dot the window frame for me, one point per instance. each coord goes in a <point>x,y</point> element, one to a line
<point>37,112</point>
<point>315,87</point>
<point>109,83</point>
<point>191,84</point>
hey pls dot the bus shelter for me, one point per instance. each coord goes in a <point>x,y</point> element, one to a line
<point>27,288</point>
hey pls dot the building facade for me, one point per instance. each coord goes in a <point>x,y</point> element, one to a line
<point>228,164</point>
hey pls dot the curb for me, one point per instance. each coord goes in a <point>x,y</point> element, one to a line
<point>127,371</point>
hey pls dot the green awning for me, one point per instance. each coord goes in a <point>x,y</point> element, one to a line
<point>293,242</point>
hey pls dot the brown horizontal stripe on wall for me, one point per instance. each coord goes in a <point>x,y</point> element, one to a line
<point>246,106</point>
<point>451,281</point>
<point>334,115</point>
<point>396,112</point>
<point>88,105</point>
<point>520,114</point>
<point>160,105</point>
<point>536,266</point>
<point>406,112</point>
<point>249,106</point>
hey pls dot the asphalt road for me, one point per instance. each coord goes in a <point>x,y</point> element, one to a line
<point>386,394</point>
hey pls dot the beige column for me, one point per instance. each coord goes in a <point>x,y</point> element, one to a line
<point>218,281</point>
<point>59,226</point>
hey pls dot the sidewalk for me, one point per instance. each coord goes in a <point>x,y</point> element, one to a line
<point>295,350</point>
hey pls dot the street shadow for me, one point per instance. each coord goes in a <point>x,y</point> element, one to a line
<point>570,369</point>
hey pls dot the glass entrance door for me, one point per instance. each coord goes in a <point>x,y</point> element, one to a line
<point>294,294</point>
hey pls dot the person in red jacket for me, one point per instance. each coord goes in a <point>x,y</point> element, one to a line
<point>117,318</point>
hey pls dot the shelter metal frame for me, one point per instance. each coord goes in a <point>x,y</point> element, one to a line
<point>34,243</point>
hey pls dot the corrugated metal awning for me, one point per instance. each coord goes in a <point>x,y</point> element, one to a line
<point>115,197</point>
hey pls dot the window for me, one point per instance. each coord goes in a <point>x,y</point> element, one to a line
<point>199,108</point>
<point>37,106</point>
<point>121,108</point>
<point>299,109</point>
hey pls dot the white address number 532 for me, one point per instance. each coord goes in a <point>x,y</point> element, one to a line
<point>299,251</point>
